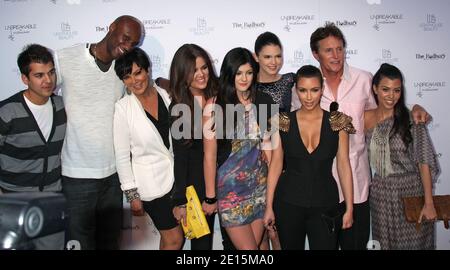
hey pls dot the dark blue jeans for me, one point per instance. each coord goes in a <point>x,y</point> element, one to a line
<point>95,211</point>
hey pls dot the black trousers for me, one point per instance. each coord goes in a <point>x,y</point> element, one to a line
<point>205,242</point>
<point>320,224</point>
<point>95,211</point>
<point>357,236</point>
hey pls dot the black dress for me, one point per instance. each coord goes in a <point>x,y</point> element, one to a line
<point>188,170</point>
<point>160,209</point>
<point>280,91</point>
<point>307,200</point>
<point>308,180</point>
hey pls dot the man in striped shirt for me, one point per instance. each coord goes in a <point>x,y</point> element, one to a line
<point>32,130</point>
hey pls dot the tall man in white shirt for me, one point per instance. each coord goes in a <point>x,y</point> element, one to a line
<point>90,88</point>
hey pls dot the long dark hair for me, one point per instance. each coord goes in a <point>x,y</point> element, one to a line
<point>182,70</point>
<point>227,80</point>
<point>230,66</point>
<point>402,123</point>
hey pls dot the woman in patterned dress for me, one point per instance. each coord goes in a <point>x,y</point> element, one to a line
<point>240,171</point>
<point>404,163</point>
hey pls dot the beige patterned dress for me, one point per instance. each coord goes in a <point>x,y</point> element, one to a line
<point>399,178</point>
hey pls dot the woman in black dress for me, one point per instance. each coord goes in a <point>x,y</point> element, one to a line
<point>192,82</point>
<point>269,55</point>
<point>304,199</point>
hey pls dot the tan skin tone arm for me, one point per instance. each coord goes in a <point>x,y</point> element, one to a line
<point>275,168</point>
<point>345,178</point>
<point>209,158</point>
<point>428,211</point>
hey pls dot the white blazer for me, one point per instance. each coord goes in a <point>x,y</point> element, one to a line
<point>142,159</point>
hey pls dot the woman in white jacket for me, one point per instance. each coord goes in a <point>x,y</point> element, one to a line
<point>143,148</point>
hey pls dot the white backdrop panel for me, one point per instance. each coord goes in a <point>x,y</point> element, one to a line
<point>412,34</point>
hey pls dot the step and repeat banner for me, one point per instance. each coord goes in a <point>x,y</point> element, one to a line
<point>411,34</point>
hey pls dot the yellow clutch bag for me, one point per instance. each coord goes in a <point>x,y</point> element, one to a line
<point>195,218</point>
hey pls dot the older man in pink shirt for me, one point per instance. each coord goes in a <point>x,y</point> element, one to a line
<point>354,97</point>
<point>351,89</point>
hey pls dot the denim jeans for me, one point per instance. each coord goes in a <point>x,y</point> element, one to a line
<point>95,211</point>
